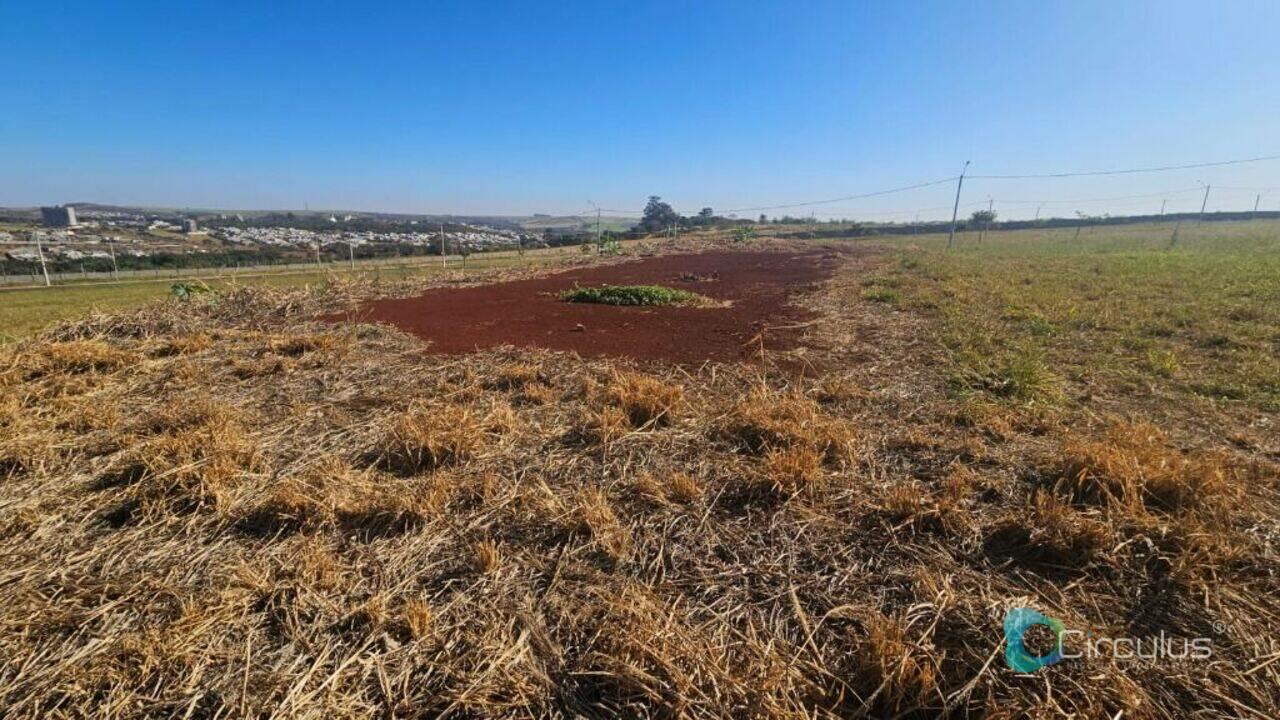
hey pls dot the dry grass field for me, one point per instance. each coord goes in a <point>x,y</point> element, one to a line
<point>223,508</point>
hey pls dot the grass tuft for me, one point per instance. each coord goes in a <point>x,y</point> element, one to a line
<point>430,436</point>
<point>645,400</point>
<point>767,421</point>
<point>1135,468</point>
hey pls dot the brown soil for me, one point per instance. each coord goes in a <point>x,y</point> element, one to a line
<point>529,313</point>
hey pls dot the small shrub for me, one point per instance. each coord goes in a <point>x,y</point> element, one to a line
<point>188,291</point>
<point>652,295</point>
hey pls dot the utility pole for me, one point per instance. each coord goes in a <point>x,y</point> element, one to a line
<point>987,222</point>
<point>951,238</point>
<point>1038,212</point>
<point>351,252</point>
<point>597,227</point>
<point>1204,204</point>
<point>444,251</point>
<point>1256,200</point>
<point>1162,204</point>
<point>115,269</point>
<point>40,252</point>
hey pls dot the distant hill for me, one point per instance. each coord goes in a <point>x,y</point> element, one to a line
<point>537,222</point>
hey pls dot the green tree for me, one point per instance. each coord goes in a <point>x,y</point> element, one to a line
<point>658,215</point>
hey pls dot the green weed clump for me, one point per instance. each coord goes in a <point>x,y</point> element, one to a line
<point>633,295</point>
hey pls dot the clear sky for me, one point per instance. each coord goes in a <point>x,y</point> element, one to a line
<point>515,107</point>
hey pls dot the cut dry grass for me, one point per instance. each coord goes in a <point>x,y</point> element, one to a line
<point>226,511</point>
<point>430,436</point>
<point>183,456</point>
<point>768,422</point>
<point>643,399</point>
<point>1135,467</point>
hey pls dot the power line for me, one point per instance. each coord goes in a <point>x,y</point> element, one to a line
<point>1248,188</point>
<point>843,199</point>
<point>1093,200</point>
<point>905,188</point>
<point>1128,171</point>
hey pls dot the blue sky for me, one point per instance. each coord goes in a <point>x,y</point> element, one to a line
<point>513,107</point>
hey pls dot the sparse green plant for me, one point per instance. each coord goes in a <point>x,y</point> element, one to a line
<point>632,295</point>
<point>187,291</point>
<point>1162,362</point>
<point>881,295</point>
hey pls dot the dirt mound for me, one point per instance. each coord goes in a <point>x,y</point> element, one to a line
<point>756,288</point>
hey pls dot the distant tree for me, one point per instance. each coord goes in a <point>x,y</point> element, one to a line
<point>658,215</point>
<point>764,219</point>
<point>706,217</point>
<point>981,218</point>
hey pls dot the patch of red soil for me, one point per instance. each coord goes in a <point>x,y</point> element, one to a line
<point>529,313</point>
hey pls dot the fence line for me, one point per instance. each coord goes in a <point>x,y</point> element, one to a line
<point>72,279</point>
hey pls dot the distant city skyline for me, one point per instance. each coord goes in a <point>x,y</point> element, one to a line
<point>523,108</point>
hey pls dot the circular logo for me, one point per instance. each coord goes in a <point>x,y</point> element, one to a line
<point>1016,624</point>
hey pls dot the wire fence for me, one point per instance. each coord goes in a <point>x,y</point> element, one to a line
<point>938,217</point>
<point>479,261</point>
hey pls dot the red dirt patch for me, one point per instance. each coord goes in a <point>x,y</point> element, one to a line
<point>529,313</point>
